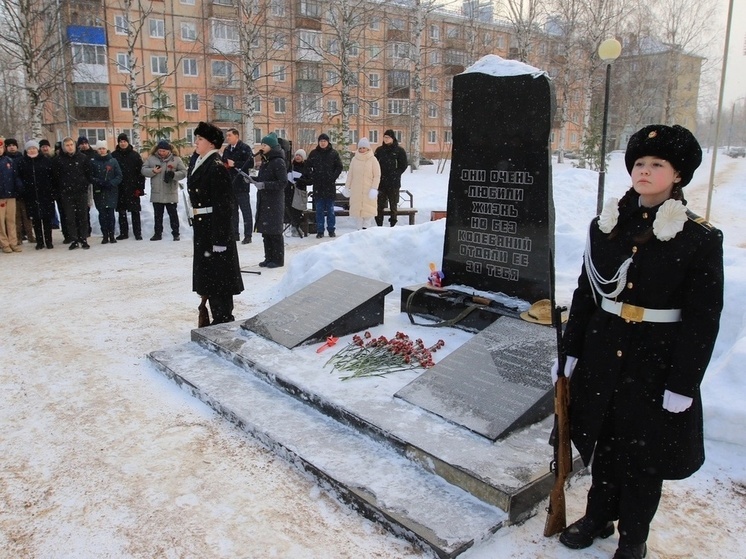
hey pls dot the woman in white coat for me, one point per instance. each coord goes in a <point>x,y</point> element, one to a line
<point>362,185</point>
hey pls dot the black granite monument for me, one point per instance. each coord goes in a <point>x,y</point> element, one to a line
<point>337,304</point>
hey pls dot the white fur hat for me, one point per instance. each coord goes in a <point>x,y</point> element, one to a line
<point>101,144</point>
<point>301,152</point>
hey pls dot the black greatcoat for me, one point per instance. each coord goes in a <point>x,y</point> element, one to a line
<point>133,182</point>
<point>213,273</point>
<point>393,161</point>
<point>270,201</point>
<point>626,366</point>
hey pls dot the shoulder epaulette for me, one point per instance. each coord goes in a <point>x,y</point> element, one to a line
<point>699,220</point>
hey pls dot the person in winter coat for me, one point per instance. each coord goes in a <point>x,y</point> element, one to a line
<point>10,189</point>
<point>639,337</point>
<point>107,176</point>
<point>72,173</point>
<point>165,170</point>
<point>237,155</point>
<point>39,192</point>
<point>270,184</point>
<point>131,187</point>
<point>324,167</point>
<point>216,274</point>
<point>24,227</point>
<point>393,160</point>
<point>362,184</point>
<point>296,180</point>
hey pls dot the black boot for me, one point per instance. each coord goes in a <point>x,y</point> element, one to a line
<point>122,236</point>
<point>105,240</point>
<point>112,239</point>
<point>631,551</point>
<point>581,534</point>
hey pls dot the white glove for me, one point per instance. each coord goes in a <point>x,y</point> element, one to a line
<point>676,403</point>
<point>570,363</point>
<point>373,194</point>
<point>216,248</point>
<point>346,192</point>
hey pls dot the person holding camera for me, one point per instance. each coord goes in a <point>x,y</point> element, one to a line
<point>165,170</point>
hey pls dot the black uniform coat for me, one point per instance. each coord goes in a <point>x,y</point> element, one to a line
<point>270,201</point>
<point>324,167</point>
<point>626,366</point>
<point>241,154</point>
<point>133,182</point>
<point>72,172</point>
<point>213,273</point>
<point>393,161</point>
<point>39,185</point>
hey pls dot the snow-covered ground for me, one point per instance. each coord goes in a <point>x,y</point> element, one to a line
<point>102,457</point>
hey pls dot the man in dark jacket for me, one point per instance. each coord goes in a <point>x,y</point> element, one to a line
<point>131,187</point>
<point>24,228</point>
<point>216,273</point>
<point>324,167</point>
<point>393,161</point>
<point>237,155</point>
<point>72,173</point>
<point>35,172</point>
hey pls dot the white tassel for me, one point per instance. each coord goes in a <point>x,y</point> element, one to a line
<point>597,280</point>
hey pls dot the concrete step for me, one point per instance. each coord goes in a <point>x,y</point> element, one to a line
<point>374,478</point>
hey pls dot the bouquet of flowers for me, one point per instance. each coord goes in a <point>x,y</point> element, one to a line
<point>367,356</point>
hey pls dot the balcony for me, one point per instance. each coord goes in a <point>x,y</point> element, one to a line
<point>91,113</point>
<point>226,115</point>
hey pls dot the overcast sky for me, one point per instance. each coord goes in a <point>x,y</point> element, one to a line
<point>735,82</point>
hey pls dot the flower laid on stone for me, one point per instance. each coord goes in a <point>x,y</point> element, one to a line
<point>367,356</point>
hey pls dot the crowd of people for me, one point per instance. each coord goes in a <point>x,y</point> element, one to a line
<point>42,189</point>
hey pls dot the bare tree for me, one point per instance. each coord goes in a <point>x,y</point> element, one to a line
<point>31,44</point>
<point>524,15</point>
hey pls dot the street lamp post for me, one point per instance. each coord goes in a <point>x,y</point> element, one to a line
<point>608,51</point>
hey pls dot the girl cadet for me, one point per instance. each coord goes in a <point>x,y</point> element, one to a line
<point>640,334</point>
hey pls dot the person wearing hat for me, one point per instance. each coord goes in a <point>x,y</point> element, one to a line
<point>296,179</point>
<point>270,185</point>
<point>131,187</point>
<point>107,176</point>
<point>216,273</point>
<point>393,160</point>
<point>165,170</point>
<point>641,330</point>
<point>24,227</point>
<point>10,190</point>
<point>324,166</point>
<point>362,182</point>
<point>72,174</point>
<point>36,174</point>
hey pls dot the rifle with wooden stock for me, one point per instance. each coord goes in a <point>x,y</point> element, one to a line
<point>561,464</point>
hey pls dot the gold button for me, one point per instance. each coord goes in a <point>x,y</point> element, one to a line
<point>630,285</point>
<point>634,250</point>
<point>644,215</point>
<point>619,353</point>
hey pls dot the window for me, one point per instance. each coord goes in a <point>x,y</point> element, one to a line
<point>188,31</point>
<point>375,23</point>
<point>257,107</point>
<point>434,57</point>
<point>432,136</point>
<point>373,136</point>
<point>280,105</point>
<point>191,102</point>
<point>123,62</point>
<point>353,108</point>
<point>93,134</point>
<point>448,136</point>
<point>433,85</point>
<point>398,135</point>
<point>398,50</point>
<point>434,33</point>
<point>127,131</point>
<point>121,25</point>
<point>308,40</point>
<point>353,136</point>
<point>281,133</point>
<point>374,52</point>
<point>354,50</point>
<point>332,77</point>
<point>225,30</point>
<point>500,42</point>
<point>455,58</point>
<point>225,102</point>
<point>375,108</point>
<point>124,100</point>
<point>222,69</point>
<point>397,24</point>
<point>91,98</point>
<point>189,132</point>
<point>398,106</point>
<point>256,73</point>
<point>432,110</point>
<point>278,73</point>
<point>280,41</point>
<point>398,79</point>
<point>157,28</point>
<point>332,107</point>
<point>89,54</point>
<point>333,47</point>
<point>306,136</point>
<point>160,101</point>
<point>277,7</point>
<point>310,8</point>
<point>452,32</point>
<point>187,2</point>
<point>258,135</point>
<point>374,80</point>
<point>310,107</point>
<point>159,65</point>
<point>223,2</point>
<point>189,67</point>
